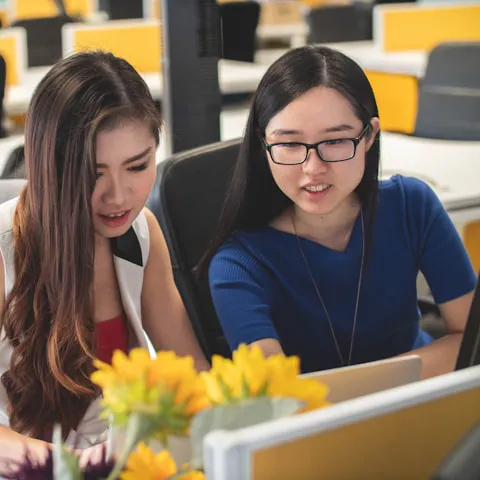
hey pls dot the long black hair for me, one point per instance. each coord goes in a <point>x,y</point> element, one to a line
<point>254,199</point>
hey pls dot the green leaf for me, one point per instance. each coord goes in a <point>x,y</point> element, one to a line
<point>234,416</point>
<point>65,463</point>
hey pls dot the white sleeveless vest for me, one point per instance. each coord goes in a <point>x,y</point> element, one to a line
<point>130,257</point>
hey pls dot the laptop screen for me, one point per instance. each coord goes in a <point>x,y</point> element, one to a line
<point>469,354</point>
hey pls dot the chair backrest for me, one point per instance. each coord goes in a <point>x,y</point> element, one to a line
<point>44,38</point>
<point>187,201</point>
<point>10,188</point>
<point>239,24</point>
<point>15,164</point>
<point>340,23</point>
<point>125,9</point>
<point>449,94</point>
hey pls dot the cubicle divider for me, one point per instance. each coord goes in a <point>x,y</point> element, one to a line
<point>397,100</point>
<point>13,48</point>
<point>22,9</point>
<point>4,17</point>
<point>427,25</point>
<point>404,432</point>
<point>137,41</point>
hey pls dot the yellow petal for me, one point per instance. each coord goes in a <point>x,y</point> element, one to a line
<point>145,465</point>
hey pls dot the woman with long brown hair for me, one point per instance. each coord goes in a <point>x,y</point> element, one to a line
<point>84,268</point>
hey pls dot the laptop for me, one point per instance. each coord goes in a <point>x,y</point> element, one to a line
<point>354,381</point>
<point>469,353</point>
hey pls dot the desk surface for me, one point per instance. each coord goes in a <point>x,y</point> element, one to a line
<point>451,168</point>
<point>234,77</point>
<point>368,56</point>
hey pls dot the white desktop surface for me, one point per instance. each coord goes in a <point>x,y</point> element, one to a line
<point>234,77</point>
<point>451,168</point>
<point>369,56</point>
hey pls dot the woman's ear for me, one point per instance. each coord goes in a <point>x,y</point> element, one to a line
<point>373,131</point>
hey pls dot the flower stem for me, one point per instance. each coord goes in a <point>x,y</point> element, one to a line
<point>136,427</point>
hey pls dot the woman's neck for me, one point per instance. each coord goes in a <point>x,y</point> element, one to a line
<point>332,229</point>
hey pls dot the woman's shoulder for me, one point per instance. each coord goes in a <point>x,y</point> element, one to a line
<point>409,192</point>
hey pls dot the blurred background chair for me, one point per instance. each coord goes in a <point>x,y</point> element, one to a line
<point>187,200</point>
<point>123,9</point>
<point>340,23</point>
<point>239,24</point>
<point>15,164</point>
<point>449,94</point>
<point>44,38</point>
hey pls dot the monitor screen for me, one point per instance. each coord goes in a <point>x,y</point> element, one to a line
<point>469,353</point>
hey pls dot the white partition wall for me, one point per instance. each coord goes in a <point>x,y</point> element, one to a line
<point>403,431</point>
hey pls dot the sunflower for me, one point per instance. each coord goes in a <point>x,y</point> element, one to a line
<point>166,390</point>
<point>143,464</point>
<point>249,374</point>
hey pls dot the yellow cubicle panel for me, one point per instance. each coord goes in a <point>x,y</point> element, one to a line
<point>21,9</point>
<point>471,239</point>
<point>13,48</point>
<point>407,443</point>
<point>137,41</point>
<point>422,27</point>
<point>4,17</point>
<point>397,100</point>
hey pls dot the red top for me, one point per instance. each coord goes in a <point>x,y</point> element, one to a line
<point>111,335</point>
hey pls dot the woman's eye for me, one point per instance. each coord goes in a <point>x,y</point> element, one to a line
<point>138,168</point>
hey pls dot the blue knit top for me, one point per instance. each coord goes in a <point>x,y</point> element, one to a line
<point>261,287</point>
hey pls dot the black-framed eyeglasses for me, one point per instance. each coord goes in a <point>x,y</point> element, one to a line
<point>333,150</point>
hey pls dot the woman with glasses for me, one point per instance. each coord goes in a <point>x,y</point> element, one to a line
<point>314,255</point>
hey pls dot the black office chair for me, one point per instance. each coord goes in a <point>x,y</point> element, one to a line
<point>15,164</point>
<point>187,200</point>
<point>449,94</point>
<point>340,23</point>
<point>239,25</point>
<point>123,9</point>
<point>44,38</point>
<point>10,188</point>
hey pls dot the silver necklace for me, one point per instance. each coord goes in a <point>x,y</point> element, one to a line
<point>332,330</point>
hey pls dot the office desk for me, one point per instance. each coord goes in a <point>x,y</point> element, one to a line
<point>369,56</point>
<point>451,168</point>
<point>234,77</point>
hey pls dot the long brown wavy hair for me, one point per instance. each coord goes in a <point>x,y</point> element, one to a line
<point>48,316</point>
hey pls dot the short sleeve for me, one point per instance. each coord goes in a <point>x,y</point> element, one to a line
<point>238,288</point>
<point>442,256</point>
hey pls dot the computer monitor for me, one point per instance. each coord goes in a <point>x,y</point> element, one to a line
<point>469,354</point>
